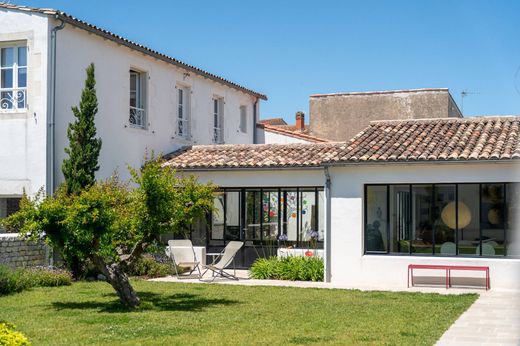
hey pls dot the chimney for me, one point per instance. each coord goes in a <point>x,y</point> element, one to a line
<point>300,121</point>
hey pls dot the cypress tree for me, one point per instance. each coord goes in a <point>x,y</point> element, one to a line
<point>80,167</point>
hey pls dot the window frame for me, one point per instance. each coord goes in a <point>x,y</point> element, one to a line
<point>243,118</point>
<point>217,111</point>
<point>15,89</point>
<point>138,111</point>
<point>183,105</point>
<point>504,202</point>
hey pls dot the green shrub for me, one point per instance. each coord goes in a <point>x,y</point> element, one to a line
<point>148,266</point>
<point>294,268</point>
<point>17,280</point>
<point>10,337</point>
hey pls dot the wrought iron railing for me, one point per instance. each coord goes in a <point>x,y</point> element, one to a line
<point>13,99</point>
<point>137,117</point>
<point>217,135</point>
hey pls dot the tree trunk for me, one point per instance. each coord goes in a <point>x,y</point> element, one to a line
<point>119,281</point>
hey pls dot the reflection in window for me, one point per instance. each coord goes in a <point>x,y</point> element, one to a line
<point>400,218</point>
<point>422,227</point>
<point>253,214</point>
<point>376,218</point>
<point>290,203</point>
<point>232,215</point>
<point>513,219</point>
<point>468,210</point>
<point>270,215</point>
<point>217,217</point>
<point>444,220</point>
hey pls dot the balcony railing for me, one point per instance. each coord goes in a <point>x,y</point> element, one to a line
<point>217,135</point>
<point>12,100</point>
<point>137,117</point>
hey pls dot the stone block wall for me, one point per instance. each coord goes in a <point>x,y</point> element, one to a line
<point>16,252</point>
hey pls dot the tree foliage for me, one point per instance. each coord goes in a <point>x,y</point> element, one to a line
<point>111,224</point>
<point>83,152</point>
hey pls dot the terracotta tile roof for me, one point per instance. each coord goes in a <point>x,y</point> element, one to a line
<point>273,121</point>
<point>130,44</point>
<point>292,131</point>
<point>252,155</point>
<point>486,138</point>
<point>470,139</point>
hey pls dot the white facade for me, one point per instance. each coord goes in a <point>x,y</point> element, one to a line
<point>269,137</point>
<point>25,143</point>
<point>349,265</point>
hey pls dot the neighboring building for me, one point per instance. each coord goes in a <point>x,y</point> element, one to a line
<point>147,100</point>
<point>276,130</point>
<point>431,191</point>
<point>340,116</point>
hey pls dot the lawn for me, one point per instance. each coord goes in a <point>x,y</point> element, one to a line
<point>88,313</point>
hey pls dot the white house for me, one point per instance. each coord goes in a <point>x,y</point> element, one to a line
<point>147,100</point>
<point>432,191</point>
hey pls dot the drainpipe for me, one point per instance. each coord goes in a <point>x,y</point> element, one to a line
<point>51,114</point>
<point>327,240</point>
<point>255,139</point>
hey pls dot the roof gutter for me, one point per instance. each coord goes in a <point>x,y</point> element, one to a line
<point>51,107</point>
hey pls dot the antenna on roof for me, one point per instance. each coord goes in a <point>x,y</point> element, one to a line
<point>464,93</point>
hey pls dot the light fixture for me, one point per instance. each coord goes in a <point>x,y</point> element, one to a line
<point>448,215</point>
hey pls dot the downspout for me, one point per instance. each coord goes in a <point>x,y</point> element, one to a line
<point>52,110</point>
<point>328,214</point>
<point>255,139</point>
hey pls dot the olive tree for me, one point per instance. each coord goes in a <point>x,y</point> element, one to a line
<point>111,223</point>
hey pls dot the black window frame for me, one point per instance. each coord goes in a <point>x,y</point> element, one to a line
<point>456,237</point>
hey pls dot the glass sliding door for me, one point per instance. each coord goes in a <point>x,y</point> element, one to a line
<point>308,230</point>
<point>253,215</point>
<point>217,217</point>
<point>290,217</point>
<point>270,213</point>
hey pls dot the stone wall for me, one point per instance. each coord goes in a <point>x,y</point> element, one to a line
<point>16,252</point>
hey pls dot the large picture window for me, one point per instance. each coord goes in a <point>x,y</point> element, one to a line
<point>442,219</point>
<point>267,215</point>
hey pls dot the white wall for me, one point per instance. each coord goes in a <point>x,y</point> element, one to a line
<point>350,266</point>
<point>268,137</point>
<point>122,144</point>
<point>23,134</point>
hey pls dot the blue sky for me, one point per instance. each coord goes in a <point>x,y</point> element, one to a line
<point>292,49</point>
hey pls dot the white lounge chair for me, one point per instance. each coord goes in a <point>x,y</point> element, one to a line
<point>222,260</point>
<point>183,255</point>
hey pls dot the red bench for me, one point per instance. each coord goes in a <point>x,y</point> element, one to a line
<point>448,269</point>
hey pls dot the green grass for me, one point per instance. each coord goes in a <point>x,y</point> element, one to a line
<point>88,313</point>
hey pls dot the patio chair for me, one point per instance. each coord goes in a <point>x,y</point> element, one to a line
<point>222,260</point>
<point>183,255</point>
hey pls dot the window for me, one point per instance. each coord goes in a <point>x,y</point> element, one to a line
<point>13,78</point>
<point>137,99</point>
<point>262,215</point>
<point>218,129</point>
<point>9,206</point>
<point>442,219</point>
<point>183,112</point>
<point>243,119</point>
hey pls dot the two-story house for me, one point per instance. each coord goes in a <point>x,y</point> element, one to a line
<point>148,101</point>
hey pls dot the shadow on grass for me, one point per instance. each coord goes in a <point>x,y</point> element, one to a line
<point>149,301</point>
